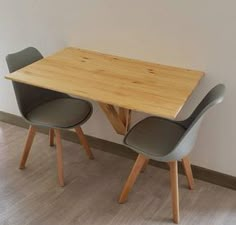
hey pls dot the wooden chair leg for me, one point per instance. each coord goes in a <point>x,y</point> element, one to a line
<point>145,166</point>
<point>59,157</point>
<point>84,142</point>
<point>141,160</point>
<point>174,190</point>
<point>28,144</point>
<point>51,137</point>
<point>188,172</point>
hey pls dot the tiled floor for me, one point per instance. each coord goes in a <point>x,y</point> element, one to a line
<point>33,197</point>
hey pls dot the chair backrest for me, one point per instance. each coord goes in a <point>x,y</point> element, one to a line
<point>187,141</point>
<point>27,96</point>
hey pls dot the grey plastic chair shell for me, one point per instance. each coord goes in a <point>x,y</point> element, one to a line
<point>44,107</point>
<point>165,140</point>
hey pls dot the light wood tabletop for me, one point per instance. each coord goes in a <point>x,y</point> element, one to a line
<point>128,83</point>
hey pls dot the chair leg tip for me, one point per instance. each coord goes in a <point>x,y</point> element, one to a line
<point>21,167</point>
<point>62,184</point>
<point>122,201</point>
<point>176,221</point>
<point>191,187</point>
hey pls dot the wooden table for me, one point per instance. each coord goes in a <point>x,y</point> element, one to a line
<point>113,81</point>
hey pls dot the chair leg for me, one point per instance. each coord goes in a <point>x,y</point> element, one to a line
<point>145,166</point>
<point>84,142</point>
<point>188,172</point>
<point>51,137</point>
<point>28,144</point>
<point>174,190</point>
<point>59,157</point>
<point>141,160</point>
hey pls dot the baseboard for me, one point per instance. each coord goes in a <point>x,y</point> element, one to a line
<point>118,149</point>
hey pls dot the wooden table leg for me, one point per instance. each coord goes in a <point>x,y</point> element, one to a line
<point>125,116</point>
<point>120,120</point>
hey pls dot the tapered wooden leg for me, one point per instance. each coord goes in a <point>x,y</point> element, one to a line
<point>28,144</point>
<point>174,190</point>
<point>145,165</point>
<point>51,136</point>
<point>84,142</point>
<point>59,158</point>
<point>188,172</point>
<point>132,177</point>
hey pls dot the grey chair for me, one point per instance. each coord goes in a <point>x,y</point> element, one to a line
<point>168,141</point>
<point>46,108</point>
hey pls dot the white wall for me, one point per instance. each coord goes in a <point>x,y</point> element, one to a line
<point>194,34</point>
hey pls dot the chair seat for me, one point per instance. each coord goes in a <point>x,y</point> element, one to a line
<point>154,136</point>
<point>61,113</point>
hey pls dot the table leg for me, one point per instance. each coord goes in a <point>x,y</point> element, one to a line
<point>120,120</point>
